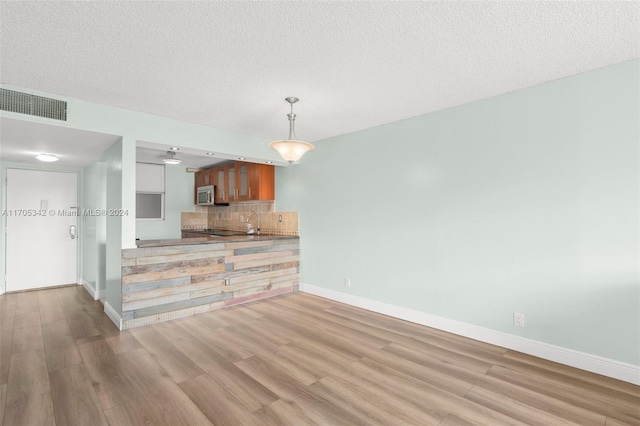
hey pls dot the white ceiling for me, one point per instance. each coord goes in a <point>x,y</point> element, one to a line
<point>150,153</point>
<point>21,141</point>
<point>354,65</point>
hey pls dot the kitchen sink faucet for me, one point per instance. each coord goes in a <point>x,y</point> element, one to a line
<point>257,224</point>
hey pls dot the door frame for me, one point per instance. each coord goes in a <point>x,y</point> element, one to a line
<point>3,219</point>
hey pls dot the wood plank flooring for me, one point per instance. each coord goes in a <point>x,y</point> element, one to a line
<point>292,360</point>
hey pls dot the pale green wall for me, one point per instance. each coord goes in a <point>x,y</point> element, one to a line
<point>89,225</point>
<point>524,202</point>
<point>101,226</point>
<point>94,227</point>
<point>115,184</point>
<point>178,198</point>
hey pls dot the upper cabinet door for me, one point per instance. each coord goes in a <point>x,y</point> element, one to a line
<point>221,184</point>
<point>261,182</point>
<point>232,189</point>
<point>207,178</point>
<point>198,180</point>
<point>243,181</point>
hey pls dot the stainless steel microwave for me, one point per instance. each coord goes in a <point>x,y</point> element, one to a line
<point>206,195</point>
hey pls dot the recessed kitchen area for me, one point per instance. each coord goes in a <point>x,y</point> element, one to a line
<point>227,196</point>
<point>232,245</point>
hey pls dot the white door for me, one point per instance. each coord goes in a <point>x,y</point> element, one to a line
<point>42,237</point>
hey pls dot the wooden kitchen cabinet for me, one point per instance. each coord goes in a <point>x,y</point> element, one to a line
<point>198,181</point>
<point>209,177</point>
<point>199,178</point>
<point>242,186</point>
<point>223,177</point>
<point>202,178</point>
<point>262,182</point>
<point>244,182</point>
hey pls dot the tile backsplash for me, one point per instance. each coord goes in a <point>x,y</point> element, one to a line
<point>195,220</point>
<point>270,223</point>
<point>234,216</point>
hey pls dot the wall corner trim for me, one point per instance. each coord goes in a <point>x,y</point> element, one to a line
<point>113,315</point>
<point>584,361</point>
<point>90,288</point>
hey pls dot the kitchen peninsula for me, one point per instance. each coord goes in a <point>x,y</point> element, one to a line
<point>164,280</point>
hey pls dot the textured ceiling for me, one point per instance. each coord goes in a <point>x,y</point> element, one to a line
<point>354,65</point>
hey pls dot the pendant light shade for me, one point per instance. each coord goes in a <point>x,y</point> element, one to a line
<point>291,149</point>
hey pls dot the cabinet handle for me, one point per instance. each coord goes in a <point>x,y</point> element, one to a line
<point>249,192</point>
<point>235,193</point>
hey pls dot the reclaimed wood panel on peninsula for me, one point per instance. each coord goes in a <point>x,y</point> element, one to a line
<point>176,281</point>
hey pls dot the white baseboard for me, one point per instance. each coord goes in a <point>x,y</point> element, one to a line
<point>95,294</point>
<point>584,361</point>
<point>89,287</point>
<point>113,315</point>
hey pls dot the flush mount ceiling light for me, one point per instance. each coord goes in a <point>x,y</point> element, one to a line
<point>171,159</point>
<point>291,149</point>
<point>49,158</point>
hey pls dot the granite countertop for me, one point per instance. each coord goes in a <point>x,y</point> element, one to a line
<point>208,239</point>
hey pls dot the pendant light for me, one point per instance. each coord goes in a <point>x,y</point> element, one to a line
<point>291,149</point>
<point>171,159</point>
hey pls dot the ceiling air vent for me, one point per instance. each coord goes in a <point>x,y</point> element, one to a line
<point>24,103</point>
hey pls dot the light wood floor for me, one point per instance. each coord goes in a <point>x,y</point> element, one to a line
<point>295,360</point>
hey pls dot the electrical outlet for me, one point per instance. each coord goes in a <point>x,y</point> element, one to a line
<point>518,319</point>
<point>347,282</point>
<point>241,218</point>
